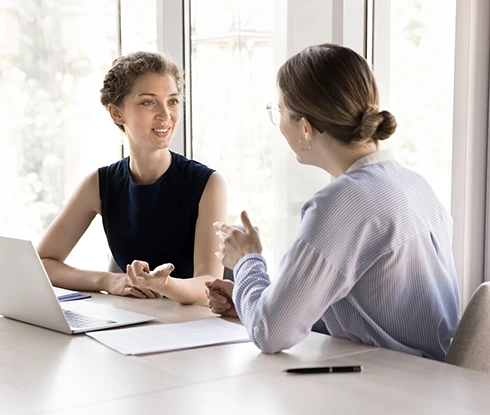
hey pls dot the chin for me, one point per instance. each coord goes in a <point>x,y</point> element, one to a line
<point>163,144</point>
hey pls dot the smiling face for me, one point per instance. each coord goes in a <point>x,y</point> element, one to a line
<point>150,113</point>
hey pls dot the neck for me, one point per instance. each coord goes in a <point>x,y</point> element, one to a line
<point>147,168</point>
<point>336,157</point>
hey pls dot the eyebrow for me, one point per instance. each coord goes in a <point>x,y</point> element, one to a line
<point>154,95</point>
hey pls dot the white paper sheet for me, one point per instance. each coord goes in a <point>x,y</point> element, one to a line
<point>167,337</point>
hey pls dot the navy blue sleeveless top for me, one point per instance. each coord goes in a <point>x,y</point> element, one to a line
<point>155,223</point>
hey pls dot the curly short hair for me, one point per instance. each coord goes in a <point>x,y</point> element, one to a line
<point>120,79</point>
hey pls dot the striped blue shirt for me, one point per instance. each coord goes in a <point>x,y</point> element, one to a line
<point>372,259</point>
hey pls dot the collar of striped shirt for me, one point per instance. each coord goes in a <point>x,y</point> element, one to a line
<point>372,158</point>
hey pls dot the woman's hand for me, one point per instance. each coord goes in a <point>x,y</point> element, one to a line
<point>120,284</point>
<point>219,294</point>
<point>150,283</point>
<point>235,244</point>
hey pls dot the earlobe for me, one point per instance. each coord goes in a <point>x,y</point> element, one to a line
<point>116,114</point>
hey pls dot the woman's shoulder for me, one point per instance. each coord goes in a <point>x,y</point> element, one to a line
<point>191,170</point>
<point>117,168</point>
<point>337,196</point>
<point>351,199</point>
<point>182,161</point>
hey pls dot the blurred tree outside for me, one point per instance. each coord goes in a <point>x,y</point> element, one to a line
<point>54,56</point>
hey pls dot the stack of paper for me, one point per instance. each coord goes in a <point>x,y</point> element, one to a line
<point>68,295</point>
<point>168,337</point>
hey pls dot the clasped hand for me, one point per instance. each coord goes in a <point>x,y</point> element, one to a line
<point>219,294</point>
<point>140,282</point>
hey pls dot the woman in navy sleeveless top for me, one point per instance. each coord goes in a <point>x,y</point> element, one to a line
<point>157,207</point>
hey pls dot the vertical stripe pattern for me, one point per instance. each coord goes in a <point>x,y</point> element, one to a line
<point>372,259</point>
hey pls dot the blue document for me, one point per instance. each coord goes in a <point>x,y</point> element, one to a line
<point>68,295</point>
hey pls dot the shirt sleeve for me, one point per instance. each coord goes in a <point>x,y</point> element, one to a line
<point>280,314</point>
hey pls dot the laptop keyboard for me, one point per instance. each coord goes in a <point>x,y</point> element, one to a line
<point>80,321</point>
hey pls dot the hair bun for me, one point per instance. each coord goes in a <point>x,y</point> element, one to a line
<point>375,125</point>
<point>387,127</point>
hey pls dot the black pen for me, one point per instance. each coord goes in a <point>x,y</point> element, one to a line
<point>327,369</point>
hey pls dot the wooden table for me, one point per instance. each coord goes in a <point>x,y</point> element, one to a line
<point>42,371</point>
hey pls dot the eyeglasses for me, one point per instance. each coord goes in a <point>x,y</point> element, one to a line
<point>275,112</point>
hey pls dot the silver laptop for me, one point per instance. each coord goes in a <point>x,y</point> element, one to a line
<point>26,294</point>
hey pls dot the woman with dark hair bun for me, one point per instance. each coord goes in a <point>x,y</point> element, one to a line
<point>372,259</point>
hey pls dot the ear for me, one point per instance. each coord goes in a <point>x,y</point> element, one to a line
<point>308,129</point>
<point>116,114</point>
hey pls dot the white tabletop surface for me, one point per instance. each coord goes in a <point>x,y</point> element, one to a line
<point>42,371</point>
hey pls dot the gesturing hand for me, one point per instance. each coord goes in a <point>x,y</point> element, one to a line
<point>219,294</point>
<point>120,284</point>
<point>235,244</point>
<point>146,280</point>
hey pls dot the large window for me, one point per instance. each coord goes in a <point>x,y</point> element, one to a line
<point>232,81</point>
<point>138,26</point>
<point>419,83</point>
<point>237,48</point>
<point>55,131</point>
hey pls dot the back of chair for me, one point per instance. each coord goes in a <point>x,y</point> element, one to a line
<point>471,344</point>
<point>228,274</point>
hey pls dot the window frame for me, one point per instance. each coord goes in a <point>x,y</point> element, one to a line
<point>470,137</point>
<point>173,38</point>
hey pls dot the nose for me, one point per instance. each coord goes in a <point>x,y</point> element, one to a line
<point>163,113</point>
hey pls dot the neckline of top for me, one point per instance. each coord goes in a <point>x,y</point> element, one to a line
<point>157,181</point>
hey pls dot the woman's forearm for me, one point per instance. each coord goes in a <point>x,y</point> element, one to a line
<point>187,291</point>
<point>184,291</point>
<point>66,276</point>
